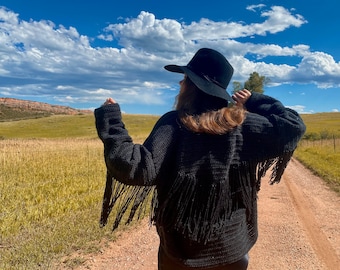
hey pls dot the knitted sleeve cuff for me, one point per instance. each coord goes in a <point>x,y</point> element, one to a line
<point>106,116</point>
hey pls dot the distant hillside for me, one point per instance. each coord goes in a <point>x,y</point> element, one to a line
<point>17,109</point>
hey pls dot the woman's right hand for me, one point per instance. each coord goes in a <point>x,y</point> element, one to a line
<point>109,101</point>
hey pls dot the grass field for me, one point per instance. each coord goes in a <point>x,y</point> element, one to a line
<point>71,126</point>
<point>50,199</point>
<point>52,180</point>
<point>323,158</point>
<point>322,125</point>
<point>320,149</point>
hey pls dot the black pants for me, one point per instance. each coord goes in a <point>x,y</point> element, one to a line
<point>166,263</point>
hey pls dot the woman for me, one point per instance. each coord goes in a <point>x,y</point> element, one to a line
<point>202,163</point>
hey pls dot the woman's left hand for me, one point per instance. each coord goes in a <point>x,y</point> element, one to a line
<point>241,96</point>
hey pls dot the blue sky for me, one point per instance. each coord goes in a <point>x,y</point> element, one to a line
<point>78,53</point>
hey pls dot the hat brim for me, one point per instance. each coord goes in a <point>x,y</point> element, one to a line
<point>203,84</point>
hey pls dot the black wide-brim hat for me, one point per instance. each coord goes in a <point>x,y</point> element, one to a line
<point>210,71</point>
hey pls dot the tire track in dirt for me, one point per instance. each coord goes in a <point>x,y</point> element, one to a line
<point>299,229</point>
<point>311,225</point>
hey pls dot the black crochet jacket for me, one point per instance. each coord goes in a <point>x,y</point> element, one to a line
<point>203,187</point>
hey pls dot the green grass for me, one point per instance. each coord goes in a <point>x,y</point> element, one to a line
<point>323,158</point>
<point>322,125</point>
<point>57,126</point>
<point>52,181</point>
<point>320,149</point>
<point>51,194</point>
<point>139,126</point>
<point>71,126</point>
<point>53,176</point>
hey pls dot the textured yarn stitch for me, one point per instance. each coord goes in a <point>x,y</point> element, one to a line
<point>203,187</point>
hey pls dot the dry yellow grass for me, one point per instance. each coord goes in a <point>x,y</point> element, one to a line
<point>51,189</point>
<point>323,158</point>
<point>51,194</point>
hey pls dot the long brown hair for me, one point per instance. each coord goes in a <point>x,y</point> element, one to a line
<point>203,113</point>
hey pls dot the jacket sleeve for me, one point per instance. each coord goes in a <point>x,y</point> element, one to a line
<point>270,129</point>
<point>129,163</point>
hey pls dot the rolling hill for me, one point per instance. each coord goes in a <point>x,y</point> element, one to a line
<point>16,109</point>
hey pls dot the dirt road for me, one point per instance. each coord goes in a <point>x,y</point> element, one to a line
<point>299,228</point>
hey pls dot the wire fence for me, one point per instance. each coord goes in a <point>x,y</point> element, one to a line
<point>331,144</point>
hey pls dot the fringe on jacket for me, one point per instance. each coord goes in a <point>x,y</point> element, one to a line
<point>129,202</point>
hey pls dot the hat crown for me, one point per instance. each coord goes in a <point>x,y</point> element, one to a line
<point>211,65</point>
<point>210,71</point>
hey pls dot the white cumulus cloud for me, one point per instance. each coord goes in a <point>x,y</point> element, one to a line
<point>41,58</point>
